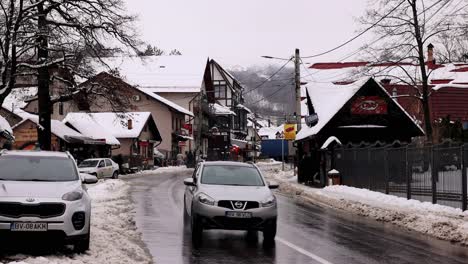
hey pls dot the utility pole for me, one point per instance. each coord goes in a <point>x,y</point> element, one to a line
<point>297,77</point>
<point>45,107</point>
<point>199,144</point>
<point>255,139</point>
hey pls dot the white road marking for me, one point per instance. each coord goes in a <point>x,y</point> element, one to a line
<point>303,251</point>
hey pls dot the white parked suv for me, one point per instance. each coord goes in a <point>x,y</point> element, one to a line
<point>101,168</point>
<point>230,195</point>
<point>42,195</point>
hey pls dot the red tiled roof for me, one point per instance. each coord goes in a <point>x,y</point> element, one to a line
<point>441,81</point>
<point>337,65</point>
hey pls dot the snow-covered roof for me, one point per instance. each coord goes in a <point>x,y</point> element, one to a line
<point>17,98</point>
<point>5,128</point>
<point>456,74</point>
<point>270,132</point>
<point>329,141</point>
<point>165,101</point>
<point>185,72</point>
<point>172,90</point>
<point>57,128</point>
<point>89,127</point>
<point>221,109</point>
<point>327,99</point>
<point>241,106</point>
<point>117,123</point>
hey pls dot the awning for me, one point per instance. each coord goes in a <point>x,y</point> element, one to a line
<point>240,143</point>
<point>84,140</point>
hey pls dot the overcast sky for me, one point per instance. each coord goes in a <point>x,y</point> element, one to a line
<point>238,32</point>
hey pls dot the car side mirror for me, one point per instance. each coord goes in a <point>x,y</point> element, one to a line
<point>273,185</point>
<point>88,179</point>
<point>189,182</point>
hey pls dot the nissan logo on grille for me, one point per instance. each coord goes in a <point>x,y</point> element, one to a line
<point>239,205</point>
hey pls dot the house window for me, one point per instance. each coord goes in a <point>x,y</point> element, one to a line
<point>465,125</point>
<point>221,92</point>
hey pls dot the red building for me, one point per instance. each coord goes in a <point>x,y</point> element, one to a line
<point>449,86</point>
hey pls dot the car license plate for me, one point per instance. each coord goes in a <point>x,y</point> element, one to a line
<point>29,227</point>
<point>233,214</point>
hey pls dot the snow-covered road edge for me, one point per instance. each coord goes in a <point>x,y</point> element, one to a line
<point>114,236</point>
<point>439,221</point>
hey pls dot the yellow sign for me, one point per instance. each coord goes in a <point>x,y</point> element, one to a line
<point>290,132</point>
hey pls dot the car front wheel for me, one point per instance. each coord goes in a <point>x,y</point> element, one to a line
<point>81,246</point>
<point>115,175</point>
<point>269,232</point>
<point>197,229</point>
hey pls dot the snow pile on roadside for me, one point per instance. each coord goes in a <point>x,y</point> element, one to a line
<point>439,221</point>
<point>159,170</point>
<point>114,237</point>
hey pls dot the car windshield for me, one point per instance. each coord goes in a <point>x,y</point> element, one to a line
<point>88,163</point>
<point>28,168</point>
<point>231,175</point>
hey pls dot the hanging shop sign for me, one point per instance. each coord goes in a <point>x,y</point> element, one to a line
<point>369,105</point>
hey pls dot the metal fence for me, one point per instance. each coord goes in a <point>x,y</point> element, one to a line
<point>436,174</point>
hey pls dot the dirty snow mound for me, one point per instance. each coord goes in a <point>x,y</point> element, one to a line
<point>114,237</point>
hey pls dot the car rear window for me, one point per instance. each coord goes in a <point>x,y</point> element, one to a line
<point>88,163</point>
<point>29,168</point>
<point>231,175</point>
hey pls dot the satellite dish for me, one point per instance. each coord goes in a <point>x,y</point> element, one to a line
<point>311,120</point>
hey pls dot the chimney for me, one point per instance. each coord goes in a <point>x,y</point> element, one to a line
<point>130,124</point>
<point>430,54</point>
<point>386,81</point>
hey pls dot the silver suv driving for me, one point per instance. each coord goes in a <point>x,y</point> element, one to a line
<point>42,195</point>
<point>229,195</point>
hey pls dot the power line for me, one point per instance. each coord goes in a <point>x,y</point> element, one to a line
<point>269,78</point>
<point>358,35</point>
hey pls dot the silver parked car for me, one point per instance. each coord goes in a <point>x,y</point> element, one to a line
<point>42,195</point>
<point>102,168</point>
<point>229,195</point>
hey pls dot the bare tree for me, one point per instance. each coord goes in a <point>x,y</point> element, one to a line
<point>175,52</point>
<point>40,35</point>
<point>406,27</point>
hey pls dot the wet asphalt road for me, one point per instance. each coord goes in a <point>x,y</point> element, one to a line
<point>306,234</point>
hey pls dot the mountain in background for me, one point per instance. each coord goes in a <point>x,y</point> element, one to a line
<point>275,97</point>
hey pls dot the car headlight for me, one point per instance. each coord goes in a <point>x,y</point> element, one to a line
<point>269,202</point>
<point>72,196</point>
<point>205,199</point>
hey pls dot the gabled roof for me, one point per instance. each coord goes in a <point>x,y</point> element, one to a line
<point>328,99</point>
<point>18,97</point>
<point>185,72</point>
<point>57,128</point>
<point>117,123</point>
<point>89,127</point>
<point>114,81</point>
<point>165,101</point>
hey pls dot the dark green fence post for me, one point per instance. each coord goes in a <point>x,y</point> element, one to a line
<point>387,179</point>
<point>408,175</point>
<point>463,175</point>
<point>434,173</point>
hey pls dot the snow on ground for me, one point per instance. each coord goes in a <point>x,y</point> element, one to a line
<point>158,170</point>
<point>439,221</point>
<point>114,236</point>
